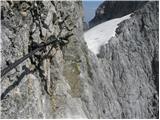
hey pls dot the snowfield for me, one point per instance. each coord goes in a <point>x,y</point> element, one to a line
<point>100,34</point>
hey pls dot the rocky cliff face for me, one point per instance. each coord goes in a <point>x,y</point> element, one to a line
<point>131,63</point>
<point>114,9</point>
<point>42,86</point>
<point>70,81</point>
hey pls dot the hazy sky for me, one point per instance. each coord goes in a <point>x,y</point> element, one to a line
<point>90,8</point>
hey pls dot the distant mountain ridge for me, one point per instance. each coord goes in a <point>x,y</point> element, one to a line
<point>114,9</point>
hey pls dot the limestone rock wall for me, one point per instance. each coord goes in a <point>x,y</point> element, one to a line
<point>131,63</point>
<point>70,81</point>
<point>37,88</point>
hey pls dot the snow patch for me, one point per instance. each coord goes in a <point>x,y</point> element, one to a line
<point>100,34</point>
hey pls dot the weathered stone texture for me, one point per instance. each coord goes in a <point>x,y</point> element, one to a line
<point>130,61</point>
<point>72,82</point>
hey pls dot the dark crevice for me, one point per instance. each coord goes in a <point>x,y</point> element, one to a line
<point>155,68</point>
<point>142,25</point>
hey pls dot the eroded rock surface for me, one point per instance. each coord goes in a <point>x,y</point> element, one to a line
<point>131,63</point>
<point>71,82</point>
<point>37,87</point>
